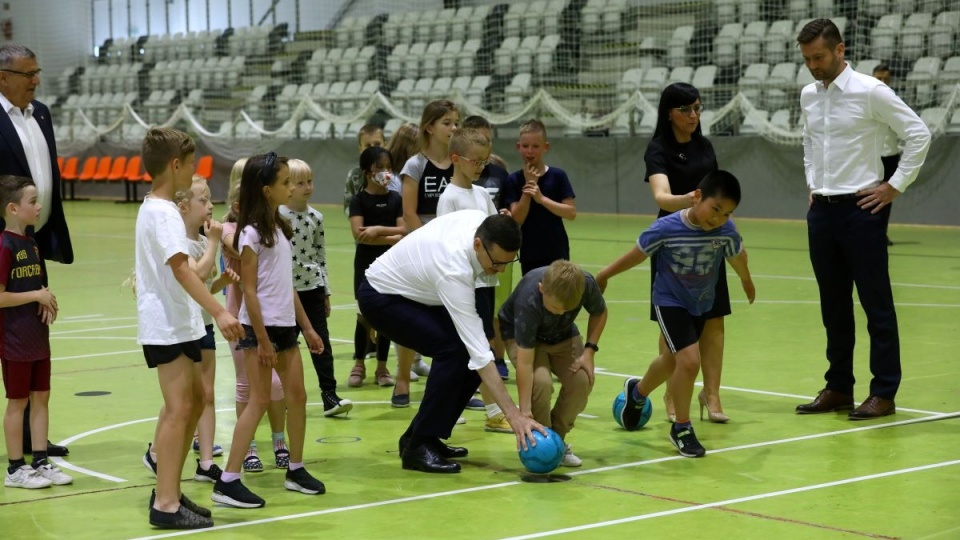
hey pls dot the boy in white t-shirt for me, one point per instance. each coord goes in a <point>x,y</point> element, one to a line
<point>169,322</point>
<point>470,153</point>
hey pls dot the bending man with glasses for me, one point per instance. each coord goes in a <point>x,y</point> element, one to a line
<point>420,294</point>
<point>28,148</point>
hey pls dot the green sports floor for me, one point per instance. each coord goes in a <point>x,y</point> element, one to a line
<point>768,474</point>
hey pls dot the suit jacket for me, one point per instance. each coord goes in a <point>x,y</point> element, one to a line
<point>53,238</point>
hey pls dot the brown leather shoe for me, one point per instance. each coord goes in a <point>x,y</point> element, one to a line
<point>827,401</point>
<point>873,407</point>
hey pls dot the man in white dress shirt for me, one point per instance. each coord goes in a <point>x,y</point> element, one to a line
<point>421,294</point>
<point>848,116</point>
<point>28,148</point>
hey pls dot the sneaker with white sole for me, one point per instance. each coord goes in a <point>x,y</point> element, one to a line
<point>333,405</point>
<point>217,449</point>
<point>26,477</point>
<point>210,475</point>
<point>461,420</point>
<point>498,424</point>
<point>235,494</point>
<point>569,458</point>
<point>300,480</point>
<point>687,443</point>
<point>420,367</point>
<point>53,473</point>
<point>148,460</point>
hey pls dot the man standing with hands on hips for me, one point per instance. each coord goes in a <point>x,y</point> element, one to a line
<point>848,115</point>
<point>28,148</point>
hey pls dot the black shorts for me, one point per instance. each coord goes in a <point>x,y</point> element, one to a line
<point>209,341</point>
<point>680,328</point>
<point>721,294</point>
<point>156,355</point>
<point>485,298</point>
<point>282,337</point>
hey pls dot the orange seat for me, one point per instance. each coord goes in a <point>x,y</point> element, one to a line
<point>133,175</point>
<point>205,167</point>
<point>118,169</point>
<point>68,175</point>
<point>103,168</point>
<point>89,169</point>
<point>60,163</point>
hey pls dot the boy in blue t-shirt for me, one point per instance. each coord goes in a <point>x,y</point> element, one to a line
<point>539,198</point>
<point>691,244</point>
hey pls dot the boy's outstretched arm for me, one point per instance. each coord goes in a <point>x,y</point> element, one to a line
<point>739,264</point>
<point>626,261</point>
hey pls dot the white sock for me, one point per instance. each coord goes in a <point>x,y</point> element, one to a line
<point>492,410</point>
<point>206,464</point>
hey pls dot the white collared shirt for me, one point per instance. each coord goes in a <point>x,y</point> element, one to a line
<point>844,133</point>
<point>436,265</point>
<point>38,154</point>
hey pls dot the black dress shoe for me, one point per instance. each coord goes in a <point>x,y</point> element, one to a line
<point>827,401</point>
<point>56,450</point>
<point>448,452</point>
<point>873,407</point>
<point>424,459</point>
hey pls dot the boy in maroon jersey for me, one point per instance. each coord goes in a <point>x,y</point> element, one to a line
<point>26,310</point>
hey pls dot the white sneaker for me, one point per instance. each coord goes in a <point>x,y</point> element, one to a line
<point>26,477</point>
<point>413,376</point>
<point>53,473</point>
<point>420,367</point>
<point>461,420</point>
<point>569,458</point>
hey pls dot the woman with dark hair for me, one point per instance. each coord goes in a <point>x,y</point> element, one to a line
<point>677,158</point>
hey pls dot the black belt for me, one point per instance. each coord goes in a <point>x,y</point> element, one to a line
<point>843,197</point>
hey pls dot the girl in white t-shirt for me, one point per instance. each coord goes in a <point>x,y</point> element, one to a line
<point>270,314</point>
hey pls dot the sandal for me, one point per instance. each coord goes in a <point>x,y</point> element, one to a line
<point>252,463</point>
<point>283,458</point>
<point>357,375</point>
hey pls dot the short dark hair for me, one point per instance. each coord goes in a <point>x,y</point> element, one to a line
<point>720,184</point>
<point>820,28</point>
<point>11,190</point>
<point>476,121</point>
<point>370,157</point>
<point>500,230</point>
<point>881,67</point>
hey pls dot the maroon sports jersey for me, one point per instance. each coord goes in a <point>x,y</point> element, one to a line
<point>24,337</point>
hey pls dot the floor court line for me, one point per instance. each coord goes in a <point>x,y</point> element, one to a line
<point>427,496</point>
<point>738,500</point>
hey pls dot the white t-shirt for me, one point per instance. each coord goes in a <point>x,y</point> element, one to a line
<point>274,279</point>
<point>456,198</point>
<point>197,248</point>
<point>166,315</point>
<point>436,265</point>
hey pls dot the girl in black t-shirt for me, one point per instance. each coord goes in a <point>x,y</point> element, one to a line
<point>677,158</point>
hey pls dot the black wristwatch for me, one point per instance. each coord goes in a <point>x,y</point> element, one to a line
<point>593,346</point>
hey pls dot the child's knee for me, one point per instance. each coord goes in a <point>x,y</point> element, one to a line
<point>243,391</point>
<point>296,396</point>
<point>276,388</point>
<point>16,406</point>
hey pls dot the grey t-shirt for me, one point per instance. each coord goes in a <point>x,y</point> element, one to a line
<point>523,317</point>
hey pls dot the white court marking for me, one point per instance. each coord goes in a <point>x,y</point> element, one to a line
<point>580,473</point>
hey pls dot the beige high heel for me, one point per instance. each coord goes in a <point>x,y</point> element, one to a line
<point>715,417</point>
<point>668,408</point>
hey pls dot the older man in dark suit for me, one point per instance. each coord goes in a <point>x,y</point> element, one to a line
<point>28,148</point>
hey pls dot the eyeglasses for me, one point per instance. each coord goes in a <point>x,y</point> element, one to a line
<point>476,162</point>
<point>266,173</point>
<point>687,109</point>
<point>498,263</point>
<point>27,74</point>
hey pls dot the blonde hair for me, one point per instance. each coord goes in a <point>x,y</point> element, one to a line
<point>236,172</point>
<point>565,282</point>
<point>433,112</point>
<point>299,170</point>
<point>534,126</point>
<point>183,196</point>
<point>465,139</point>
<point>403,144</point>
<point>163,145</point>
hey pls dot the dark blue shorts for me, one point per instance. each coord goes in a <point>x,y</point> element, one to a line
<point>209,341</point>
<point>282,337</point>
<point>680,329</point>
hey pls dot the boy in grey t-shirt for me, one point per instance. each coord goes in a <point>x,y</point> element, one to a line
<point>537,325</point>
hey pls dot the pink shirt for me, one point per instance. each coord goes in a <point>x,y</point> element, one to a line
<point>274,279</point>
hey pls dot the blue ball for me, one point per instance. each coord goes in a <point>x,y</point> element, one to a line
<point>546,455</point>
<point>618,404</point>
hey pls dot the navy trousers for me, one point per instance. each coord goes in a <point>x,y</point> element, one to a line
<point>429,330</point>
<point>848,246</point>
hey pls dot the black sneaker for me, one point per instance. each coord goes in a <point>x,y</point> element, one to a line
<point>183,518</point>
<point>333,405</point>
<point>210,475</point>
<point>191,506</point>
<point>148,461</point>
<point>632,409</point>
<point>235,494</point>
<point>300,480</point>
<point>687,443</point>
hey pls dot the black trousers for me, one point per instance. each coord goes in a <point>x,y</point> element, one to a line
<point>429,330</point>
<point>314,305</point>
<point>848,246</point>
